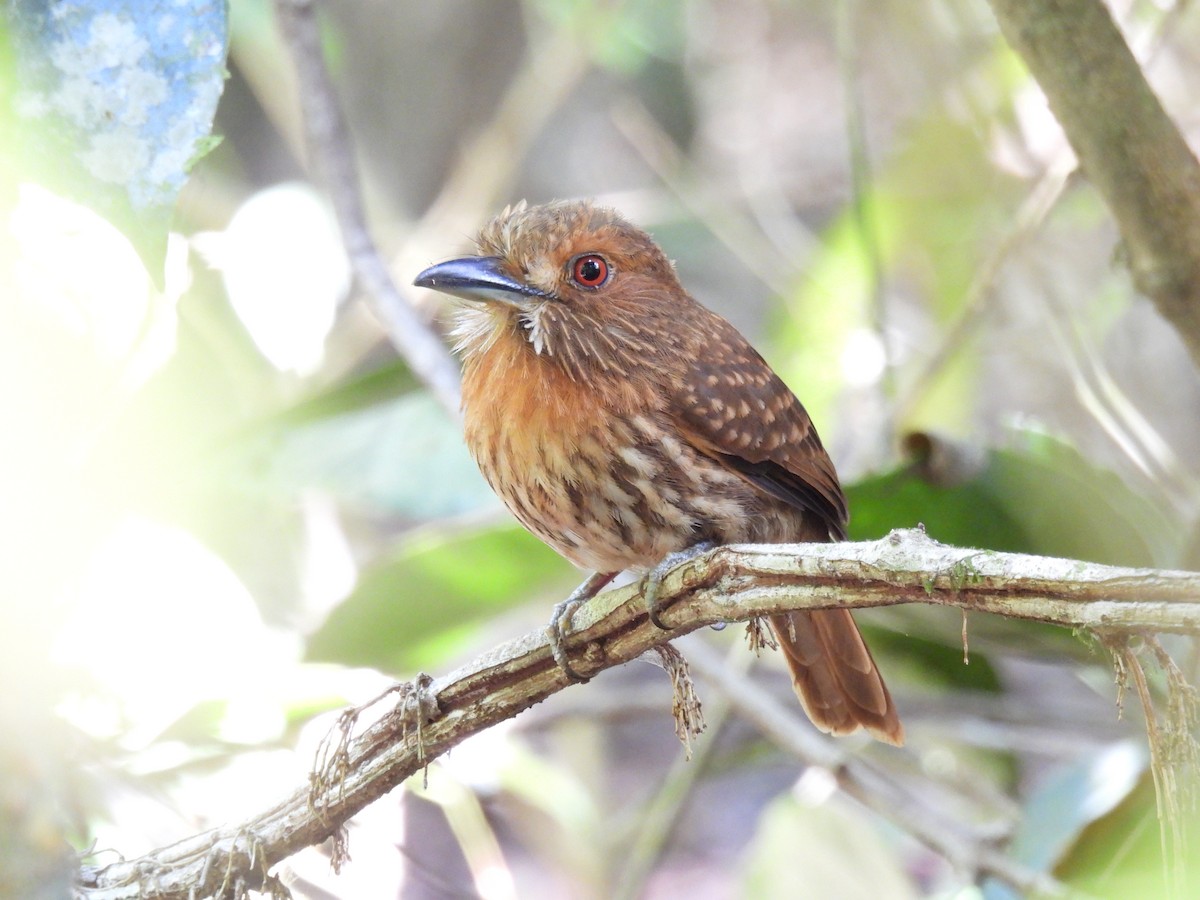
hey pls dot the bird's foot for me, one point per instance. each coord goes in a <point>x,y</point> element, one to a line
<point>560,620</point>
<point>652,584</point>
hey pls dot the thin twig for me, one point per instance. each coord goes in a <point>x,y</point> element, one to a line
<point>332,156</point>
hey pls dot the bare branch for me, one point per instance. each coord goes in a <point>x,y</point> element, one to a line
<point>332,156</point>
<point>1128,146</point>
<point>732,583</point>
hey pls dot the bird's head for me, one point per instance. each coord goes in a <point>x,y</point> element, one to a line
<point>578,284</point>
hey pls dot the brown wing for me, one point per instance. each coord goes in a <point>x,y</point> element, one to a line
<point>737,410</point>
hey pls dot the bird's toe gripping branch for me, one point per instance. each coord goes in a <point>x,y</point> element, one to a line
<point>560,620</point>
<point>652,584</point>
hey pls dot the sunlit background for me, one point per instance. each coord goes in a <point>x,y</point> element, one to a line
<point>227,509</point>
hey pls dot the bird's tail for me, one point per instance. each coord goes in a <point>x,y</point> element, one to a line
<point>834,675</point>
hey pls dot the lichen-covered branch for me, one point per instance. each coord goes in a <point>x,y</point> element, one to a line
<point>365,761</point>
<point>1126,143</point>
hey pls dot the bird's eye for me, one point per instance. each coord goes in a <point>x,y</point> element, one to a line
<point>590,270</point>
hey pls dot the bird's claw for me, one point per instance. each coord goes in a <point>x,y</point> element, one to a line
<point>560,620</point>
<point>556,632</point>
<point>652,584</point>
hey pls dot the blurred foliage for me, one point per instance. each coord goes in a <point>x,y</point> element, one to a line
<point>1119,854</point>
<point>1036,496</point>
<point>624,36</point>
<point>464,579</point>
<point>830,852</point>
<point>306,531</point>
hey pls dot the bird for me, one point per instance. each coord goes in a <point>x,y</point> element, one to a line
<point>630,427</point>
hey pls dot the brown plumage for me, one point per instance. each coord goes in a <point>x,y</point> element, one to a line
<point>622,421</point>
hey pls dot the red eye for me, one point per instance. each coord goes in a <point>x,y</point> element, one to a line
<point>590,270</point>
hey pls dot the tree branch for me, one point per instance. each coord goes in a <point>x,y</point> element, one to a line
<point>1127,144</point>
<point>732,583</point>
<point>332,156</point>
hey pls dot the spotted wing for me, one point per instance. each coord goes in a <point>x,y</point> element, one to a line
<point>737,410</point>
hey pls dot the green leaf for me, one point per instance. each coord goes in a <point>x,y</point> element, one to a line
<point>940,663</point>
<point>1067,506</point>
<point>1041,497</point>
<point>966,515</point>
<point>1119,854</point>
<point>413,608</point>
<point>388,382</point>
<point>404,456</point>
<point>1073,797</point>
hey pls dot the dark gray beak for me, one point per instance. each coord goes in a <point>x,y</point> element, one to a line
<point>478,278</point>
